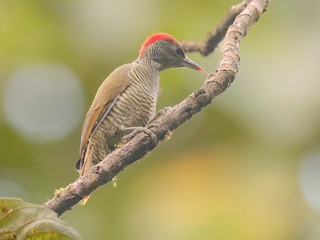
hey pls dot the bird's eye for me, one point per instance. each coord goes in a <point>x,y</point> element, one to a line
<point>180,52</point>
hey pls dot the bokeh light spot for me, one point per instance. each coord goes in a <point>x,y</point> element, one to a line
<point>12,189</point>
<point>43,102</point>
<point>309,178</point>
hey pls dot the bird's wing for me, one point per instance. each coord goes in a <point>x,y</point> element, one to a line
<point>109,90</point>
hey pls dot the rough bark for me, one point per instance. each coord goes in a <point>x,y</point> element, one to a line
<point>231,31</point>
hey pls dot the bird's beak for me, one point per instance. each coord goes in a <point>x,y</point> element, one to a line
<point>191,64</point>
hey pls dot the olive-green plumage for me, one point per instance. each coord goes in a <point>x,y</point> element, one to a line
<point>127,98</point>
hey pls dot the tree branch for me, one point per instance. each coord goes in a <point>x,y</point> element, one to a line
<point>215,37</point>
<point>169,119</point>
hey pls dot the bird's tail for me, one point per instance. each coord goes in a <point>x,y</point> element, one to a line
<point>83,166</point>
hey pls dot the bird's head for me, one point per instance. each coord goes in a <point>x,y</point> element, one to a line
<point>165,50</point>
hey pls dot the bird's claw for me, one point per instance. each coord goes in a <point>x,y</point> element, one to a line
<point>152,124</point>
<point>135,131</point>
<point>161,112</point>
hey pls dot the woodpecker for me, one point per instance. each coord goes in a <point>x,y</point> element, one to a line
<point>127,98</point>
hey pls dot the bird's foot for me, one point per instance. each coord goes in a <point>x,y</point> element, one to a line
<point>161,112</point>
<point>135,131</point>
<point>152,124</point>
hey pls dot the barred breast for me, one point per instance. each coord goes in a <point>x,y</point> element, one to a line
<point>134,107</point>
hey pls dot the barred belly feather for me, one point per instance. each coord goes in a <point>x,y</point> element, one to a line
<point>135,107</point>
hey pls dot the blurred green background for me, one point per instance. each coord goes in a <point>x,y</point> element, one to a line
<point>247,167</point>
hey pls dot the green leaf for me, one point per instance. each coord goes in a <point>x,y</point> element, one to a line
<point>25,221</point>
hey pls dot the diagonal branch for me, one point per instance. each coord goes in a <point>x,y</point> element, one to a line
<point>216,36</point>
<point>170,118</point>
